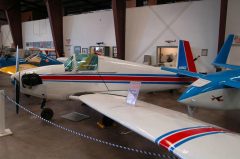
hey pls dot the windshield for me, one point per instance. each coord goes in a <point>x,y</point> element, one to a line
<point>69,64</point>
<point>87,62</point>
<point>84,62</point>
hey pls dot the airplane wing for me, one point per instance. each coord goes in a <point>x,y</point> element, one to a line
<point>183,72</point>
<point>12,69</point>
<point>186,137</point>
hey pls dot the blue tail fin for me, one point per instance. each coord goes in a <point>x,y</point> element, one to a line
<point>224,52</point>
<point>221,59</point>
<point>185,57</point>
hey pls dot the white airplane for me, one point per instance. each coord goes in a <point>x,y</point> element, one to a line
<point>97,81</point>
<point>89,73</point>
<point>218,90</point>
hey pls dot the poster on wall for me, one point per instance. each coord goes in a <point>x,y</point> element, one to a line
<point>114,48</point>
<point>84,50</point>
<point>236,40</point>
<point>77,50</point>
<point>67,46</point>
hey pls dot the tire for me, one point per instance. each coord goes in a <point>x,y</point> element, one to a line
<point>47,113</point>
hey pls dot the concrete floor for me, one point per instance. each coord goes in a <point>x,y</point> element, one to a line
<point>34,139</point>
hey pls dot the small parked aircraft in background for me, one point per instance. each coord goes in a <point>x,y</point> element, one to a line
<point>97,81</point>
<point>7,62</point>
<point>218,90</point>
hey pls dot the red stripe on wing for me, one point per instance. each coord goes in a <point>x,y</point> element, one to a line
<point>176,137</point>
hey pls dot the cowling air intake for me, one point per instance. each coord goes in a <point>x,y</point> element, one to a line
<point>31,80</point>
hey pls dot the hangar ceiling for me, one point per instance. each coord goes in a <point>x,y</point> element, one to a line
<point>71,7</point>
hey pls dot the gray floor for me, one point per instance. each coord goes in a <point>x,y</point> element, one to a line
<point>34,139</point>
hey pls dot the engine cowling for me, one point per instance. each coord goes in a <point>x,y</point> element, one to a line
<point>32,79</point>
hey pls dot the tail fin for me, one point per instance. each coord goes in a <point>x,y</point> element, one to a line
<point>185,57</point>
<point>222,56</point>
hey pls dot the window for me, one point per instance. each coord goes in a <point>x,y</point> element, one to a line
<point>69,64</point>
<point>86,62</point>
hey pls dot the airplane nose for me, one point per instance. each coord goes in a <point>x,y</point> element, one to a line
<point>15,77</point>
<point>188,96</point>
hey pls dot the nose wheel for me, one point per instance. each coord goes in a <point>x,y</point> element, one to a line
<point>47,113</point>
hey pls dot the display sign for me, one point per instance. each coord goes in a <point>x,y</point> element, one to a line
<point>133,92</point>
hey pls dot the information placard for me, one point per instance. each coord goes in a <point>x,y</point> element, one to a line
<point>133,92</point>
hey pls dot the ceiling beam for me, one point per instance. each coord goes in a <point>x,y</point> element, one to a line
<point>119,14</point>
<point>33,4</point>
<point>222,23</point>
<point>54,8</point>
<point>3,19</point>
<point>13,15</point>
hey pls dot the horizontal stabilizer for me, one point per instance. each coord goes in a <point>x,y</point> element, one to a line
<point>232,83</point>
<point>183,72</point>
<point>233,67</point>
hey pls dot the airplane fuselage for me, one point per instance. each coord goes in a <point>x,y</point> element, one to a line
<point>112,76</point>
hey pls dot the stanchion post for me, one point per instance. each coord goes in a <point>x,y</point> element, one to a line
<point>3,131</point>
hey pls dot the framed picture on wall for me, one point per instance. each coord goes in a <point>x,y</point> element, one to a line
<point>167,56</point>
<point>114,48</point>
<point>84,50</point>
<point>77,49</point>
<point>236,40</point>
<point>204,52</point>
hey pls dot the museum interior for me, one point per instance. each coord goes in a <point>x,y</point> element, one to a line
<point>119,79</point>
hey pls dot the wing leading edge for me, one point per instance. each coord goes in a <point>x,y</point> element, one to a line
<point>186,137</point>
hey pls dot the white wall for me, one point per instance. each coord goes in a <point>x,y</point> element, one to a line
<point>146,28</point>
<point>35,31</point>
<point>87,29</point>
<point>233,27</point>
<point>6,36</point>
<point>198,22</point>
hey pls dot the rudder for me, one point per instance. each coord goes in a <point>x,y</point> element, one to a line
<point>185,57</point>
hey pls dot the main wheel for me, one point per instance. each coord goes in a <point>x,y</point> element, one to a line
<point>47,113</point>
<point>107,121</point>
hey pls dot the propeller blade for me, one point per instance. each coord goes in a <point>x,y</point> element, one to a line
<point>17,83</point>
<point>17,60</point>
<point>17,91</point>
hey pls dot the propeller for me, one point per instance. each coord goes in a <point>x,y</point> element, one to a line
<point>17,82</point>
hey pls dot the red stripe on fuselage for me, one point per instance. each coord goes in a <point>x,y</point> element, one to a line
<point>176,137</point>
<point>117,78</point>
<point>189,56</point>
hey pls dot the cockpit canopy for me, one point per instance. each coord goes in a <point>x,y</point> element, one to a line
<point>82,62</point>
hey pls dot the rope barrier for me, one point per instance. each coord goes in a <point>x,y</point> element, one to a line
<point>83,135</point>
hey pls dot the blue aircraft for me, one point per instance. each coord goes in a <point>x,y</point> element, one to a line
<point>7,63</point>
<point>218,90</point>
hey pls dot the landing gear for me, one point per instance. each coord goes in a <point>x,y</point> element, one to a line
<point>191,110</point>
<point>105,122</point>
<point>47,113</point>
